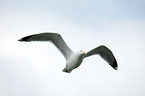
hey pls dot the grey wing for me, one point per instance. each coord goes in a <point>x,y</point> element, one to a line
<point>105,53</point>
<point>56,39</point>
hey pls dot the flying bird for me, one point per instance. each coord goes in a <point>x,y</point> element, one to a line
<point>73,59</point>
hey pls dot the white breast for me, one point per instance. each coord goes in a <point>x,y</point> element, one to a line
<point>75,60</point>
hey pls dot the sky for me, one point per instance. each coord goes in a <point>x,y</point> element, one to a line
<point>35,68</point>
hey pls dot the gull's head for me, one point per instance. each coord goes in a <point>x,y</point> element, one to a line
<point>82,52</point>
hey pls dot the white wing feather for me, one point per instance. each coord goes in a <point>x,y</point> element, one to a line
<point>105,53</point>
<point>56,39</point>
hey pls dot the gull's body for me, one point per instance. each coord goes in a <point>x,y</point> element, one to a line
<point>73,59</point>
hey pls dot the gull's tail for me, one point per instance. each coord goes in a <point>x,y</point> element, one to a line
<point>66,70</point>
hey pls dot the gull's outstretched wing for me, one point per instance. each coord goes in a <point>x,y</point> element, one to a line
<point>105,53</point>
<point>55,38</point>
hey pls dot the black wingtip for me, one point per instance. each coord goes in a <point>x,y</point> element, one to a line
<point>115,66</point>
<point>26,39</point>
<point>20,40</point>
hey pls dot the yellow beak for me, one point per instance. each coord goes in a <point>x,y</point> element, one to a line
<point>84,53</point>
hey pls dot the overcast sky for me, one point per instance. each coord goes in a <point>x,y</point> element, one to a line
<point>35,68</point>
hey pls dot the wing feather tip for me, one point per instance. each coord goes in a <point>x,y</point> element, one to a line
<point>20,40</point>
<point>24,39</point>
<point>115,66</point>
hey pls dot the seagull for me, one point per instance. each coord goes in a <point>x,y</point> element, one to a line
<point>73,59</point>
